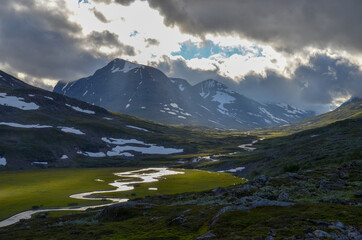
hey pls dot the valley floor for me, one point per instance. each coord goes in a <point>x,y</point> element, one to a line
<point>302,186</point>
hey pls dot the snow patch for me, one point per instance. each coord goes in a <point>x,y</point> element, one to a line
<point>146,149</point>
<point>233,170</point>
<point>174,105</point>
<point>120,141</point>
<point>50,98</point>
<point>24,126</point>
<point>223,98</point>
<point>3,161</point>
<point>78,109</point>
<point>41,163</point>
<point>138,128</point>
<point>271,116</point>
<point>128,66</point>
<point>17,102</point>
<point>92,154</point>
<point>181,87</point>
<point>71,130</point>
<point>64,157</point>
<point>153,189</point>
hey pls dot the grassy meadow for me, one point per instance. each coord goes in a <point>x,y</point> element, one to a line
<point>25,190</point>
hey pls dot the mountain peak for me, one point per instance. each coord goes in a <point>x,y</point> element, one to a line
<point>211,84</point>
<point>121,65</point>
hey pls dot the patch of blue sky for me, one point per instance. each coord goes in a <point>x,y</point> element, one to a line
<point>190,50</point>
<point>134,33</point>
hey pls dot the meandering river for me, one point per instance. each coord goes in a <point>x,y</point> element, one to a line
<point>145,175</point>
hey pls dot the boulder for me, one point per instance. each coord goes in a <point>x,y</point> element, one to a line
<point>283,196</point>
<point>177,221</point>
<point>321,234</point>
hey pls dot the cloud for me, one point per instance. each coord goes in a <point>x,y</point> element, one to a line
<point>316,85</point>
<point>100,16</point>
<point>287,25</point>
<point>110,40</point>
<point>41,42</point>
<point>152,42</point>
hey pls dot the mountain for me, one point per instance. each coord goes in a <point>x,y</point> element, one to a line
<point>44,129</point>
<point>352,109</point>
<point>146,92</point>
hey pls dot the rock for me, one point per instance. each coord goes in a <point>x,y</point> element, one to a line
<point>155,218</point>
<point>247,203</point>
<point>42,215</point>
<point>271,235</point>
<point>342,175</point>
<point>261,180</point>
<point>267,192</point>
<point>283,197</point>
<point>352,235</point>
<point>291,176</point>
<point>178,220</point>
<point>358,194</point>
<point>338,226</point>
<point>208,235</point>
<point>220,191</point>
<point>247,187</point>
<point>321,234</point>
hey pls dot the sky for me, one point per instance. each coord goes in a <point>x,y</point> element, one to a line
<point>300,52</point>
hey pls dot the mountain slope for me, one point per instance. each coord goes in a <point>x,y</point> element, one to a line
<point>146,92</point>
<point>44,129</point>
<point>348,110</point>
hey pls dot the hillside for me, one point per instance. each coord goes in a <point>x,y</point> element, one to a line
<point>41,129</point>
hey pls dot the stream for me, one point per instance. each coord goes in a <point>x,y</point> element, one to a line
<point>146,175</point>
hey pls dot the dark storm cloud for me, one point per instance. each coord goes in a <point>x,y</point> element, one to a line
<point>287,25</point>
<point>106,38</point>
<point>100,16</point>
<point>152,42</point>
<point>312,85</point>
<point>45,44</point>
<point>179,69</point>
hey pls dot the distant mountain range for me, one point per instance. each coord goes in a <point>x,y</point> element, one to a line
<point>41,129</point>
<point>148,93</point>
